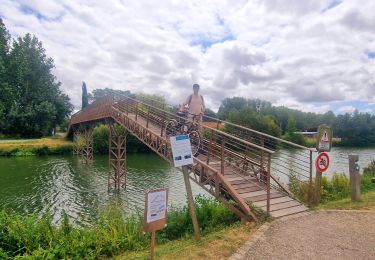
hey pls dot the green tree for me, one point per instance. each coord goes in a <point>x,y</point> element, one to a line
<point>99,93</point>
<point>36,104</point>
<point>85,98</point>
<point>6,93</point>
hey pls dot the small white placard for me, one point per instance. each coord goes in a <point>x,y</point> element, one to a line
<point>156,205</point>
<point>181,150</point>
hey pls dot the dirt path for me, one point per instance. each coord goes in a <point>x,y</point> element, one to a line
<point>320,235</point>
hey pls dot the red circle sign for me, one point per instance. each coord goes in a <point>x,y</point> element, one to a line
<point>322,162</point>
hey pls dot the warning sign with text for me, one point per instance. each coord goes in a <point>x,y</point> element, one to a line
<point>324,142</point>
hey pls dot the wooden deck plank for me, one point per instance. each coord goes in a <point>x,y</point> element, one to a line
<point>273,201</point>
<point>256,193</point>
<point>235,182</point>
<point>284,205</point>
<point>264,197</point>
<point>248,189</point>
<point>247,185</point>
<point>288,211</point>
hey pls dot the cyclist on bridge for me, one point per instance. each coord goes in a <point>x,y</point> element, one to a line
<point>196,106</point>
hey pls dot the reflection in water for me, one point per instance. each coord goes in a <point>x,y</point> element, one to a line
<point>57,184</point>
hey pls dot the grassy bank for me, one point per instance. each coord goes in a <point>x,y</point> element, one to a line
<point>29,147</point>
<point>336,188</point>
<point>215,245</point>
<point>112,234</point>
<point>367,202</point>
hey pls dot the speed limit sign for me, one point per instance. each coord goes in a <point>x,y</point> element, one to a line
<point>322,162</point>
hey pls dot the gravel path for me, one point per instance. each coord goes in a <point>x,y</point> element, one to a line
<point>320,235</point>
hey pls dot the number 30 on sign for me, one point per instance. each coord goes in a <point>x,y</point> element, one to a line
<point>322,162</point>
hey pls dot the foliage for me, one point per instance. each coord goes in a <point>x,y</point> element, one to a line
<point>111,233</point>
<point>336,188</point>
<point>99,93</point>
<point>101,138</point>
<point>31,102</point>
<point>85,98</point>
<point>355,129</point>
<point>251,119</point>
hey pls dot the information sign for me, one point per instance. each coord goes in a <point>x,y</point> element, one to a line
<point>155,210</point>
<point>181,150</point>
<point>324,142</point>
<point>322,162</point>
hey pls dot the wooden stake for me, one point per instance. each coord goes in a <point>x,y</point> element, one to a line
<point>318,181</point>
<point>191,203</point>
<point>152,248</point>
<point>355,178</point>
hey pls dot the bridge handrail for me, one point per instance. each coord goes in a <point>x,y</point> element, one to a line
<point>216,130</point>
<point>250,130</point>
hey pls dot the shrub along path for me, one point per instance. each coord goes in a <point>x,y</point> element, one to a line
<point>322,235</point>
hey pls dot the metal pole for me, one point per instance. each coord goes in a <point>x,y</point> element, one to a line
<point>191,203</point>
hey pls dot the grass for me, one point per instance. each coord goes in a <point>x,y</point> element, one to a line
<point>336,188</point>
<point>216,245</point>
<point>367,202</point>
<point>112,233</point>
<point>34,143</point>
<point>31,147</point>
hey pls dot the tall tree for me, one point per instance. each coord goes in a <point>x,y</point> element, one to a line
<point>85,98</point>
<point>6,97</point>
<point>36,104</point>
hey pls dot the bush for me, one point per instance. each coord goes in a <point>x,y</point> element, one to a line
<point>112,233</point>
<point>336,188</point>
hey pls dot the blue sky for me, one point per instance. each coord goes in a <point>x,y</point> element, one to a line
<point>313,55</point>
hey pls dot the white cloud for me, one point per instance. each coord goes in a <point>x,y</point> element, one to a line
<point>346,109</point>
<point>299,55</point>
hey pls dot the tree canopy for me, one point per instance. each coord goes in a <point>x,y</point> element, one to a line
<point>355,129</point>
<point>30,96</point>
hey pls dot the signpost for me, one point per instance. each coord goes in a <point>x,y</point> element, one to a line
<point>322,162</point>
<point>155,217</point>
<point>183,156</point>
<point>181,150</point>
<point>323,145</point>
<point>324,142</point>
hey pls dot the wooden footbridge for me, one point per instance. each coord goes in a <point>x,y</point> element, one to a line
<point>239,166</point>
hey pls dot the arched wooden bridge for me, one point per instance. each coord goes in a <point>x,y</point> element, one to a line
<point>237,166</point>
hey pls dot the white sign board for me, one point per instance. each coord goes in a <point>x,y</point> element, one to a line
<point>156,205</point>
<point>181,150</point>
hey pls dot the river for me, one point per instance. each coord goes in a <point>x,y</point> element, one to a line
<point>61,183</point>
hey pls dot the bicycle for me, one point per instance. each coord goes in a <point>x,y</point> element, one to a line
<point>183,126</point>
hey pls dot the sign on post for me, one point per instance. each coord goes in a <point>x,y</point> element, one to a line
<point>155,217</point>
<point>155,210</point>
<point>322,162</point>
<point>181,150</point>
<point>324,142</point>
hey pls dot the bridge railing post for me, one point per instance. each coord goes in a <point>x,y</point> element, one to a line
<point>269,183</point>
<point>222,161</point>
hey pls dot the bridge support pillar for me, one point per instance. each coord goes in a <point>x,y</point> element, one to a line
<point>117,157</point>
<point>76,139</point>
<point>87,147</point>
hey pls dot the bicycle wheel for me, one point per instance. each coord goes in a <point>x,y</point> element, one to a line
<point>195,140</point>
<point>171,128</point>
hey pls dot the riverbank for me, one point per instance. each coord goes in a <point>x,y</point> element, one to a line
<point>30,147</point>
<point>110,235</point>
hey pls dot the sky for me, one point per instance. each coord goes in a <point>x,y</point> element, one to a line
<point>311,55</point>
